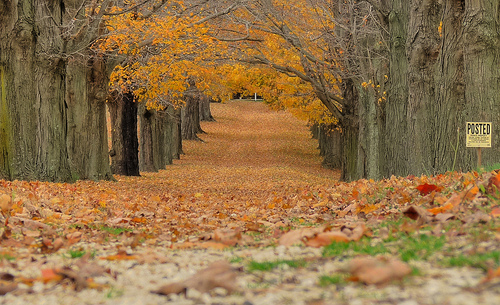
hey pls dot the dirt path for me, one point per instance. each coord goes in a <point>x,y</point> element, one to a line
<point>249,140</point>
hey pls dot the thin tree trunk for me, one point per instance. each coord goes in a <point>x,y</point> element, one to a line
<point>124,142</point>
<point>148,140</point>
<point>191,115</point>
<point>205,113</point>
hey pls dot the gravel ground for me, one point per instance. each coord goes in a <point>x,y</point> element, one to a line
<point>133,281</point>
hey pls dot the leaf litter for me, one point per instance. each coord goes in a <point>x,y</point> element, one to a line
<point>254,184</point>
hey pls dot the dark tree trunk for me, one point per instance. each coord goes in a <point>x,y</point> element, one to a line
<point>124,142</point>
<point>205,113</point>
<point>177,134</point>
<point>87,130</point>
<point>350,135</point>
<point>157,140</point>
<point>33,114</point>
<point>329,139</point>
<point>148,140</point>
<point>191,114</point>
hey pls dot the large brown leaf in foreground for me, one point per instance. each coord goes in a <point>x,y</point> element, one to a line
<point>377,271</point>
<point>218,274</point>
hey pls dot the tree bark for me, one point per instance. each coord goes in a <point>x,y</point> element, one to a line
<point>330,146</point>
<point>205,113</point>
<point>177,134</point>
<point>157,140</point>
<point>482,74</point>
<point>87,127</point>
<point>396,108</point>
<point>350,135</point>
<point>124,142</point>
<point>33,112</point>
<point>191,114</point>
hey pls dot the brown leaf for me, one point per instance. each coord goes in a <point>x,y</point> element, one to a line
<point>298,235</point>
<point>6,288</point>
<point>218,274</point>
<point>358,232</point>
<point>325,239</point>
<point>5,204</point>
<point>79,280</point>
<point>174,288</point>
<point>378,271</point>
<point>227,236</point>
<point>415,212</point>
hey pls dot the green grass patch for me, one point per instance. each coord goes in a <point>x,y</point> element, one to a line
<point>477,260</point>
<point>236,260</point>
<point>337,279</point>
<point>77,253</point>
<point>420,247</point>
<point>268,266</point>
<point>114,293</point>
<point>115,231</point>
<point>363,246</point>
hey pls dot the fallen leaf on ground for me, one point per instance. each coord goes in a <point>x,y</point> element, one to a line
<point>218,274</point>
<point>377,271</point>
<point>227,236</point>
<point>298,235</point>
<point>453,202</point>
<point>326,238</point>
<point>415,212</point>
<point>5,204</point>
<point>6,288</point>
<point>426,188</point>
<point>121,255</point>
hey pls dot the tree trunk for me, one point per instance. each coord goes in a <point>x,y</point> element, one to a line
<point>396,108</point>
<point>148,140</point>
<point>177,134</point>
<point>482,74</point>
<point>87,130</point>
<point>157,141</point>
<point>350,135</point>
<point>124,143</point>
<point>451,72</point>
<point>191,115</point>
<point>32,91</point>
<point>371,128</point>
<point>205,113</point>
<point>167,140</point>
<point>329,140</point>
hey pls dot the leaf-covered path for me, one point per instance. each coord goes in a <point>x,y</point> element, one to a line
<point>252,205</point>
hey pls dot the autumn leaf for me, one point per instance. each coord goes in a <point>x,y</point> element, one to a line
<point>377,271</point>
<point>325,239</point>
<point>426,188</point>
<point>120,256</point>
<point>6,288</point>
<point>450,204</point>
<point>5,204</point>
<point>218,274</point>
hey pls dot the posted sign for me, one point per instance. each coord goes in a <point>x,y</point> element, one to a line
<point>478,134</point>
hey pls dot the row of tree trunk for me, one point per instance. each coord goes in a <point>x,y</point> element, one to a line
<point>442,71</point>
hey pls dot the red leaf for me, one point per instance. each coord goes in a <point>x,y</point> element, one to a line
<point>426,188</point>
